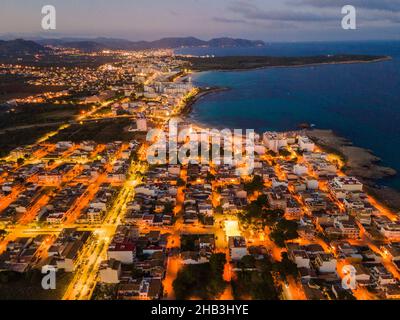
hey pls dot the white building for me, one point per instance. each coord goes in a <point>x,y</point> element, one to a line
<point>300,258</point>
<point>391,230</point>
<point>123,252</point>
<point>237,248</point>
<point>325,263</point>
<point>312,184</point>
<point>141,124</point>
<point>300,170</point>
<point>350,184</point>
<point>306,144</point>
<point>274,140</point>
<point>110,271</point>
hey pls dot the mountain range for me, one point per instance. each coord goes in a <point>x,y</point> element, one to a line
<point>20,46</point>
<point>166,43</point>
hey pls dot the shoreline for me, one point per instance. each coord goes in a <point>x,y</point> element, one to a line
<point>315,64</point>
<point>359,162</point>
<point>204,91</point>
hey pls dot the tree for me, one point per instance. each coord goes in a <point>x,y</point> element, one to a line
<point>180,182</point>
<point>257,184</point>
<point>271,153</point>
<point>284,230</point>
<point>168,208</point>
<point>20,161</point>
<point>203,281</point>
<point>247,262</point>
<point>284,153</point>
<point>257,284</point>
<point>278,237</point>
<point>288,228</point>
<point>217,262</point>
<point>262,200</point>
<point>210,177</point>
<point>287,267</point>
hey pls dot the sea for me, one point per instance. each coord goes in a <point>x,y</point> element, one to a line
<point>360,102</point>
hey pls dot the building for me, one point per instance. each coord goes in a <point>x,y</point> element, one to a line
<point>391,230</point>
<point>325,263</point>
<point>274,140</point>
<point>300,258</point>
<point>70,256</point>
<point>141,124</point>
<point>123,252</point>
<point>110,271</point>
<point>305,144</point>
<point>237,247</point>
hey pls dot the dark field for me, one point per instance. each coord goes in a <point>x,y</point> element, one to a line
<point>52,60</point>
<point>13,86</point>
<point>13,139</point>
<point>101,132</point>
<point>17,286</point>
<point>39,114</point>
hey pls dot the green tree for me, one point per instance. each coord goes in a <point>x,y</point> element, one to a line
<point>284,153</point>
<point>20,161</point>
<point>256,184</point>
<point>287,267</point>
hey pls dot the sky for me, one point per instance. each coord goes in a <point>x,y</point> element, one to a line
<point>268,20</point>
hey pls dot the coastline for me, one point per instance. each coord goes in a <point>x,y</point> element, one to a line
<point>202,93</point>
<point>221,68</point>
<point>358,162</point>
<point>361,163</point>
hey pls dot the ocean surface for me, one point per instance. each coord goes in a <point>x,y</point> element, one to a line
<point>358,101</point>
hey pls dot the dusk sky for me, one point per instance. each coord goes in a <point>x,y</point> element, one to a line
<point>270,20</point>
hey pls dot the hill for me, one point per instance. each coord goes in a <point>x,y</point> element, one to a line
<point>96,44</point>
<point>21,47</point>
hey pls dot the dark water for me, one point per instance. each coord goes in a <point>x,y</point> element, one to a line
<point>359,101</point>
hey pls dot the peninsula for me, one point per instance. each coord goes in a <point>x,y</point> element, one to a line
<point>254,62</point>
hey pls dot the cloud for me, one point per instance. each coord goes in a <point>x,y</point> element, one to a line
<point>250,11</point>
<point>322,12</point>
<point>384,5</point>
<point>227,20</point>
<point>367,10</point>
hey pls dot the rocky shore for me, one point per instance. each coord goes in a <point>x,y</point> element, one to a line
<point>361,163</point>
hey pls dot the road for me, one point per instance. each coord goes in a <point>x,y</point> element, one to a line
<point>85,279</point>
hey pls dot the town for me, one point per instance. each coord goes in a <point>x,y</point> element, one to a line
<point>114,226</point>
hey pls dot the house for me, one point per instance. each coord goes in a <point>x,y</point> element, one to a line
<point>305,144</point>
<point>69,256</point>
<point>325,263</point>
<point>381,276</point>
<point>122,251</point>
<point>391,230</point>
<point>192,257</point>
<point>348,229</point>
<point>237,247</point>
<point>392,291</point>
<point>110,271</point>
<point>141,289</point>
<point>300,258</point>
<point>363,275</point>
